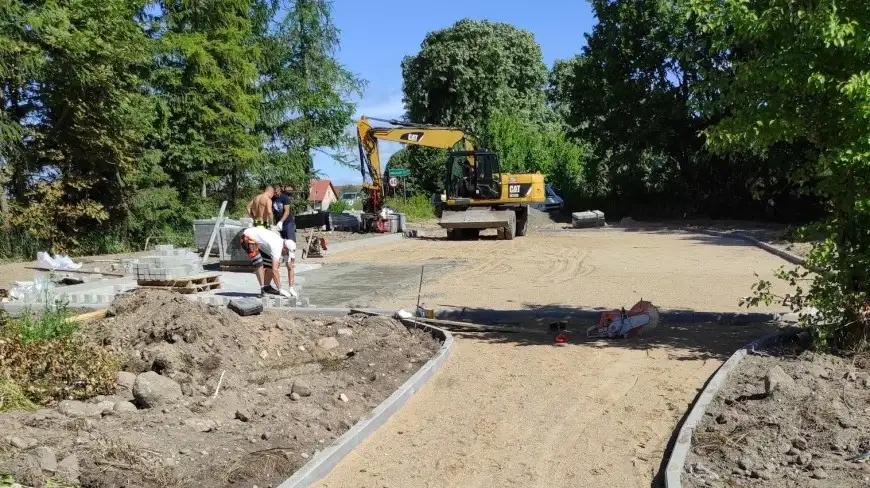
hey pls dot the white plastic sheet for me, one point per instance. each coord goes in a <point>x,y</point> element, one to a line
<point>31,290</point>
<point>58,262</point>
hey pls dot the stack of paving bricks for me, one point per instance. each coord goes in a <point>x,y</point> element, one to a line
<point>589,218</point>
<point>268,301</point>
<point>229,237</point>
<point>202,230</point>
<point>176,270</point>
<point>168,264</point>
<point>99,297</point>
<point>96,299</point>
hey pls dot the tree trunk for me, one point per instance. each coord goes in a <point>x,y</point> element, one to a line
<point>4,209</point>
<point>234,188</point>
<point>204,192</point>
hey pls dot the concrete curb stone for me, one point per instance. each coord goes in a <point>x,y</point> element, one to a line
<point>782,253</point>
<point>326,460</point>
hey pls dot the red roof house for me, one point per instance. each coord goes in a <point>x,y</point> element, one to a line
<point>321,193</point>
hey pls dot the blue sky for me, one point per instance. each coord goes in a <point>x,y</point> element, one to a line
<point>375,38</point>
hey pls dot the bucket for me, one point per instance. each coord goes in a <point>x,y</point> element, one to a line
<point>394,223</point>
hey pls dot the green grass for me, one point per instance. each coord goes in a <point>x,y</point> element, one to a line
<point>416,208</point>
<point>31,326</point>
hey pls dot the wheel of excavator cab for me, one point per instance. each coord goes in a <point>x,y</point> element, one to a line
<point>510,230</point>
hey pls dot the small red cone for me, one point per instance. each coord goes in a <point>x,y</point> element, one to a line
<point>562,338</point>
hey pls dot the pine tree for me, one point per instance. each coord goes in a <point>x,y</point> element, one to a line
<point>206,75</point>
<point>307,102</point>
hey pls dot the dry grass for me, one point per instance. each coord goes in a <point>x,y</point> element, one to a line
<point>122,460</point>
<point>260,466</point>
<point>331,364</point>
<point>707,443</point>
<point>12,397</point>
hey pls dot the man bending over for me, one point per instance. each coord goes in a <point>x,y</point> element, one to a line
<point>266,250</point>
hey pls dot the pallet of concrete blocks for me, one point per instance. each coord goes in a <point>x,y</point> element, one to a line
<point>203,228</point>
<point>589,218</point>
<point>175,269</point>
<point>232,245</point>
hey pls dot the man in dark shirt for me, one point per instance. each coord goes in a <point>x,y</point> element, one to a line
<point>284,222</point>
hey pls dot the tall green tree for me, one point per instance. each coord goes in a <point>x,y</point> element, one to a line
<point>205,75</point>
<point>308,94</point>
<point>800,73</point>
<point>631,92</point>
<point>559,85</point>
<point>640,94</point>
<point>466,73</point>
<point>75,97</point>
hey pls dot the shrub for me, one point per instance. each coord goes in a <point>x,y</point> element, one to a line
<point>51,370</point>
<point>417,207</point>
<point>338,206</point>
<point>32,327</point>
<point>40,359</point>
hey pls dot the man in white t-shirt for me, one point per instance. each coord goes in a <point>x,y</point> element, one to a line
<point>266,250</point>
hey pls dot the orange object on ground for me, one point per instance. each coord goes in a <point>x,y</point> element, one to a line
<point>642,307</point>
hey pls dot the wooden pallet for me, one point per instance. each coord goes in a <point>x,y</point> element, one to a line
<point>185,284</point>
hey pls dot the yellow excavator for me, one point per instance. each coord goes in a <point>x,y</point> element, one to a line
<point>477,195</point>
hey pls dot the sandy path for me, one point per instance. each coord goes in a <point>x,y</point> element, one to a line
<point>509,414</point>
<point>581,269</point>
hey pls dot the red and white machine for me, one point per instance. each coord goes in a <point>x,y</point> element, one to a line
<point>622,324</point>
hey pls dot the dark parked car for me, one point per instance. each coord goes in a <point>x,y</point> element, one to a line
<point>552,203</point>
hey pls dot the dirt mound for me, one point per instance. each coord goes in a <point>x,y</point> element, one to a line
<point>540,220</point>
<point>164,332</point>
<point>784,422</point>
<point>235,401</point>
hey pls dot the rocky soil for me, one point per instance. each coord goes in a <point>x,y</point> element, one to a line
<point>207,398</point>
<point>786,420</point>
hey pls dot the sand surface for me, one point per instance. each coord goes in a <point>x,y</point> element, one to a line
<point>510,412</point>
<point>608,268</point>
<point>524,414</point>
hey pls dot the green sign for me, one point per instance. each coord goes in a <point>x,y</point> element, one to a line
<point>399,172</point>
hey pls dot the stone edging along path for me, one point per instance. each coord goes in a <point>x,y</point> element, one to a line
<point>782,253</point>
<point>321,464</point>
<point>677,460</point>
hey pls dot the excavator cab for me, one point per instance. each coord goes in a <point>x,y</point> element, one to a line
<point>473,175</point>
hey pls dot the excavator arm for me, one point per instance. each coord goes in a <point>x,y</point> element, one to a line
<point>403,133</point>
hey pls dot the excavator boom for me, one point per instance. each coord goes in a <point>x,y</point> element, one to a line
<point>404,133</point>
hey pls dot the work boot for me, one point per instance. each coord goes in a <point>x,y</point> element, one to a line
<point>269,290</point>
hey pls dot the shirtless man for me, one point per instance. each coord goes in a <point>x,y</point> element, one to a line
<point>260,208</point>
